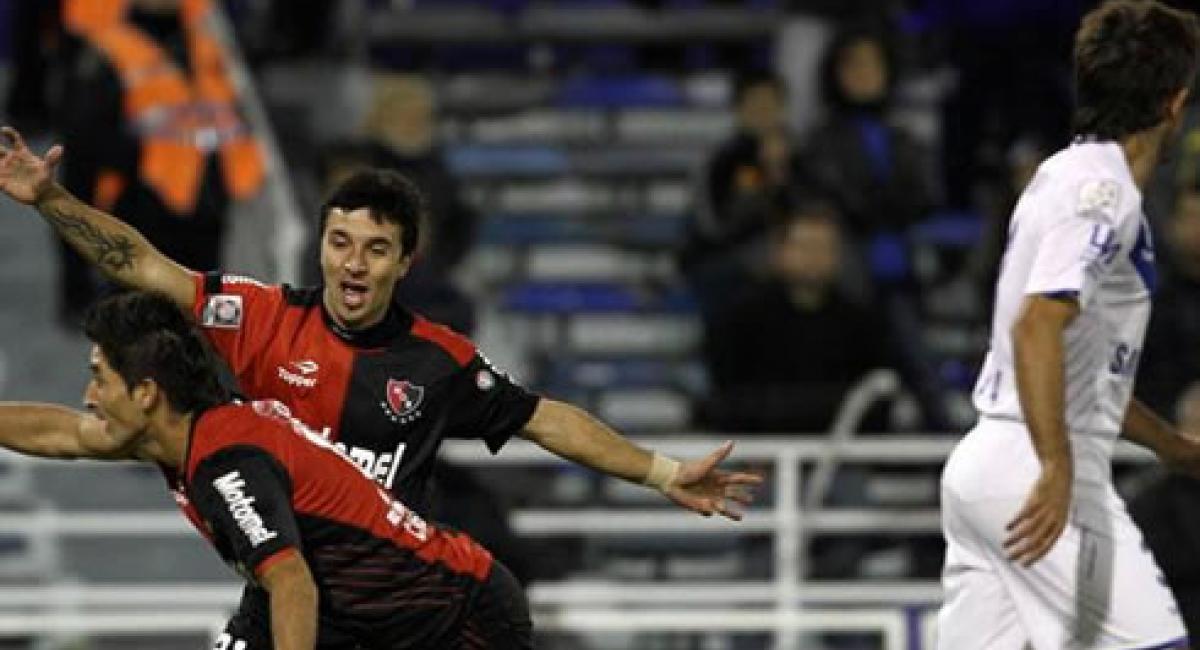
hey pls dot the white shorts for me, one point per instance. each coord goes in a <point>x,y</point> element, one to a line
<point>1098,588</point>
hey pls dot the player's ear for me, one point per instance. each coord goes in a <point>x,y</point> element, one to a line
<point>1176,103</point>
<point>146,394</point>
<point>405,264</point>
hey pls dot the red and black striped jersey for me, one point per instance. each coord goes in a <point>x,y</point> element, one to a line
<point>386,395</point>
<point>259,484</point>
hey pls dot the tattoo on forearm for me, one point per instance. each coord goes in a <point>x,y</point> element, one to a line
<point>113,251</point>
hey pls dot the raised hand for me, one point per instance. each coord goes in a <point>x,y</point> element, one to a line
<point>701,487</point>
<point>23,175</point>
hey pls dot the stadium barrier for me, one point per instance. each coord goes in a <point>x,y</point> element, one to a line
<point>899,612</point>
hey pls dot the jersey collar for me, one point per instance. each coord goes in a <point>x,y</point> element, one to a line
<point>396,323</point>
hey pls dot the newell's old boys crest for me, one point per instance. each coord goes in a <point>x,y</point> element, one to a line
<point>403,400</point>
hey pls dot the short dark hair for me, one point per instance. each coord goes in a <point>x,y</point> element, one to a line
<point>388,195</point>
<point>144,335</point>
<point>748,80</point>
<point>829,84</point>
<point>1131,58</point>
<point>810,207</point>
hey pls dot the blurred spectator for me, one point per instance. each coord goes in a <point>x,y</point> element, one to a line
<point>37,38</point>
<point>400,134</point>
<point>746,180</point>
<point>881,176</point>
<point>1013,64</point>
<point>783,357</point>
<point>152,130</point>
<point>998,200</point>
<point>882,179</point>
<point>1171,358</point>
<point>1165,512</point>
<point>1167,382</point>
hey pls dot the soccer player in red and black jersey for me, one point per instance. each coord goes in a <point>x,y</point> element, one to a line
<point>381,383</point>
<point>344,564</point>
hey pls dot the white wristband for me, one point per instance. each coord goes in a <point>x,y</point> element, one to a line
<point>663,472</point>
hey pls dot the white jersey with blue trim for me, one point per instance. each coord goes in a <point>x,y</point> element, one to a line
<point>1078,230</point>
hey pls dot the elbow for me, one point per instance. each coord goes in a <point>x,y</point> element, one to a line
<point>1020,334</point>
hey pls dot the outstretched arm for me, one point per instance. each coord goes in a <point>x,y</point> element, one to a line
<point>697,485</point>
<point>114,248</point>
<point>54,431</point>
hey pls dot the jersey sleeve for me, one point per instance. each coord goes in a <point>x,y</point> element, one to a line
<point>245,496</point>
<point>1078,247</point>
<point>238,315</point>
<point>488,404</point>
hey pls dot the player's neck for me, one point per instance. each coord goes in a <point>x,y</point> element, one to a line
<point>168,443</point>
<point>807,298</point>
<point>1142,152</point>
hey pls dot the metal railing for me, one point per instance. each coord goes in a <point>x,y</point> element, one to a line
<point>785,605</point>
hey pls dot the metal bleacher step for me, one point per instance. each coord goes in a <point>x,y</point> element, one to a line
<point>503,161</point>
<point>627,372</point>
<point>597,22</point>
<point>695,127</point>
<point>689,127</point>
<point>539,125</point>
<point>649,334</point>
<point>581,196</point>
<point>595,263</point>
<point>645,409</point>
<point>647,231</point>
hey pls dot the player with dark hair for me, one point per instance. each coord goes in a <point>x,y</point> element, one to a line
<point>1041,551</point>
<point>343,563</point>
<point>381,383</point>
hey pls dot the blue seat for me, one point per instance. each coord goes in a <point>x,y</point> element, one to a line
<point>570,297</point>
<point>949,230</point>
<point>607,58</point>
<point>503,6</point>
<point>645,91</point>
<point>478,160</point>
<point>593,3</point>
<point>629,373</point>
<point>526,230</point>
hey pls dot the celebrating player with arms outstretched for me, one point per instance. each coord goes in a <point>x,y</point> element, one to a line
<point>383,384</point>
<point>1041,550</point>
<point>344,565</point>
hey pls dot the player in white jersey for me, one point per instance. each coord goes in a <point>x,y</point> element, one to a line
<point>1040,549</point>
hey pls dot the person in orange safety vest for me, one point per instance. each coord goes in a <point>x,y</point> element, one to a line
<point>152,130</point>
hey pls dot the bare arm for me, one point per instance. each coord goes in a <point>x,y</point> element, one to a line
<point>572,433</point>
<point>1177,451</point>
<point>54,431</point>
<point>1038,350</point>
<point>113,247</point>
<point>293,603</point>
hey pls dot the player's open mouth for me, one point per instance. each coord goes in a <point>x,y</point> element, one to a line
<point>354,294</point>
